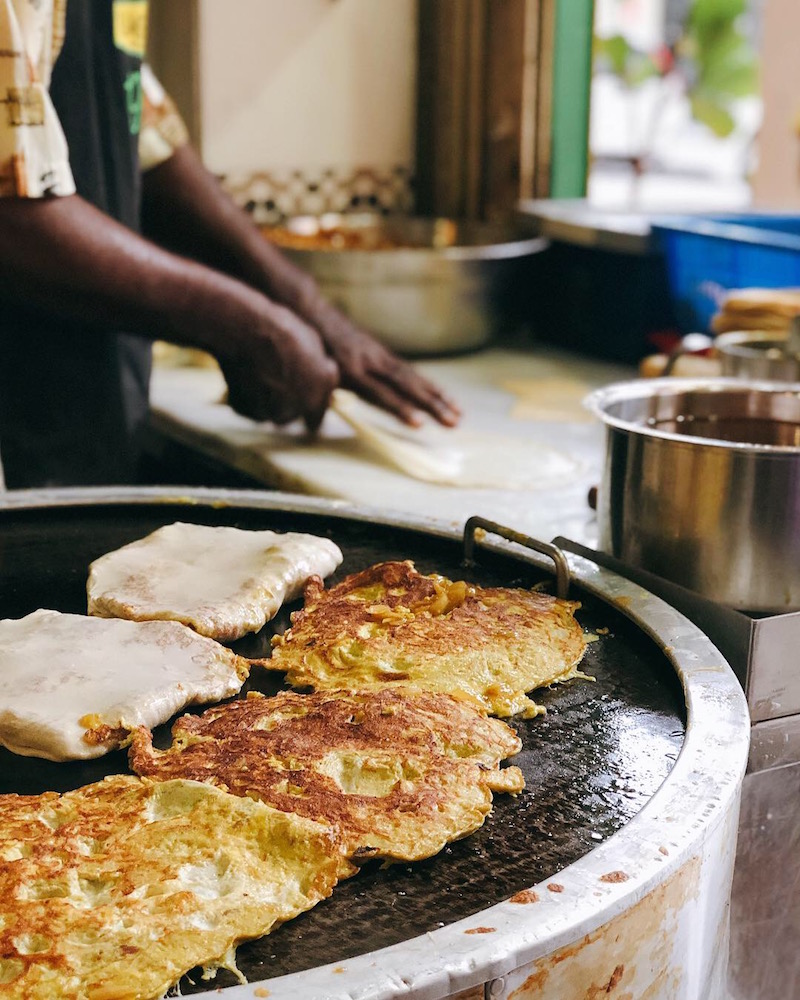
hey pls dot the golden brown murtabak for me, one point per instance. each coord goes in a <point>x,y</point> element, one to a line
<point>399,773</point>
<point>117,889</point>
<point>390,626</point>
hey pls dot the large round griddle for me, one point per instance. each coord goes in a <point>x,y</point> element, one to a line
<point>590,764</point>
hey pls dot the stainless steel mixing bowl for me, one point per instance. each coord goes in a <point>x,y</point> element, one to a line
<point>431,286</point>
<point>701,485</point>
<point>757,354</point>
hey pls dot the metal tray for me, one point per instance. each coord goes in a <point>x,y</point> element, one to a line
<point>590,764</point>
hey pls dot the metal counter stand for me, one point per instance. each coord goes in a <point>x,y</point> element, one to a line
<point>765,908</point>
<point>743,555</point>
<point>583,895</point>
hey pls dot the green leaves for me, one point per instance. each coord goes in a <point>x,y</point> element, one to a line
<point>714,58</point>
<point>616,55</point>
<point>724,64</point>
<point>713,115</point>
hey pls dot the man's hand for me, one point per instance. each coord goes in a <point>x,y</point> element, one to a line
<point>278,369</point>
<point>378,375</point>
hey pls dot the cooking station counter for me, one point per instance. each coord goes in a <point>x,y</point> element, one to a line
<point>535,397</point>
<point>530,400</point>
<point>641,909</point>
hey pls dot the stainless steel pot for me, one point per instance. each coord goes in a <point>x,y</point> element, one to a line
<point>757,354</point>
<point>701,485</point>
<point>443,286</point>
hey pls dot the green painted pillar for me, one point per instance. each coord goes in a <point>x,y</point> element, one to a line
<point>572,71</point>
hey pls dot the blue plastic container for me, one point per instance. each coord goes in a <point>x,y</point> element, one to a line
<point>708,255</point>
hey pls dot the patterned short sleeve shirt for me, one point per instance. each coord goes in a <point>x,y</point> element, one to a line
<point>34,156</point>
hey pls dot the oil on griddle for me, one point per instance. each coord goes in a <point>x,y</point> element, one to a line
<point>590,764</point>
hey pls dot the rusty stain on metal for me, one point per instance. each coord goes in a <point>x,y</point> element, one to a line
<point>555,887</point>
<point>261,991</point>
<point>524,896</point>
<point>616,975</point>
<point>481,930</point>
<point>616,876</point>
<point>609,988</point>
<point>603,963</point>
<point>339,970</point>
<point>533,983</point>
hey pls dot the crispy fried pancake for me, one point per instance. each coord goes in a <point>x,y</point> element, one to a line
<point>391,626</point>
<point>222,582</point>
<point>72,687</point>
<point>115,890</point>
<point>400,775</point>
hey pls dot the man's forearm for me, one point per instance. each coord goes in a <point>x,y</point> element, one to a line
<point>65,256</point>
<point>185,208</point>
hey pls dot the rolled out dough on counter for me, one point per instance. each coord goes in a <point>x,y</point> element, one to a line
<point>455,456</point>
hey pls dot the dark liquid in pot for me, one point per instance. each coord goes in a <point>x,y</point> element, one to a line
<point>742,430</point>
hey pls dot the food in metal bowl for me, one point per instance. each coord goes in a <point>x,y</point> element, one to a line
<point>422,286</point>
<point>327,233</point>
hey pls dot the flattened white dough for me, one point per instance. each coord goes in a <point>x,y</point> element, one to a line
<point>454,457</point>
<point>64,678</point>
<point>222,582</point>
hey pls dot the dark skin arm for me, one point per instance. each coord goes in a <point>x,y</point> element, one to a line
<point>186,209</point>
<point>67,256</point>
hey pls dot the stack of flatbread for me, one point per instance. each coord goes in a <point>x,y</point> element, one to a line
<point>261,804</point>
<point>771,309</point>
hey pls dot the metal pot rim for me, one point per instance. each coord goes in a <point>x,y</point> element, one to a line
<point>598,402</point>
<point>506,250</point>
<point>513,243</point>
<point>747,343</point>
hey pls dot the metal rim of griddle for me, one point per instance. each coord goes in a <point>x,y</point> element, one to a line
<point>679,817</point>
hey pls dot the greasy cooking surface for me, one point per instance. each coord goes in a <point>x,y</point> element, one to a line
<point>590,764</point>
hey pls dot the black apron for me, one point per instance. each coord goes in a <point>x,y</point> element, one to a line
<point>73,396</point>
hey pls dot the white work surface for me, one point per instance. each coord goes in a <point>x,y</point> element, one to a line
<point>531,398</point>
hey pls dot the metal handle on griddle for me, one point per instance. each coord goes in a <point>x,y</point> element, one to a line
<point>545,548</point>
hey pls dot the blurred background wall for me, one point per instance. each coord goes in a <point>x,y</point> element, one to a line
<point>311,83</point>
<point>777,179</point>
<point>306,105</point>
